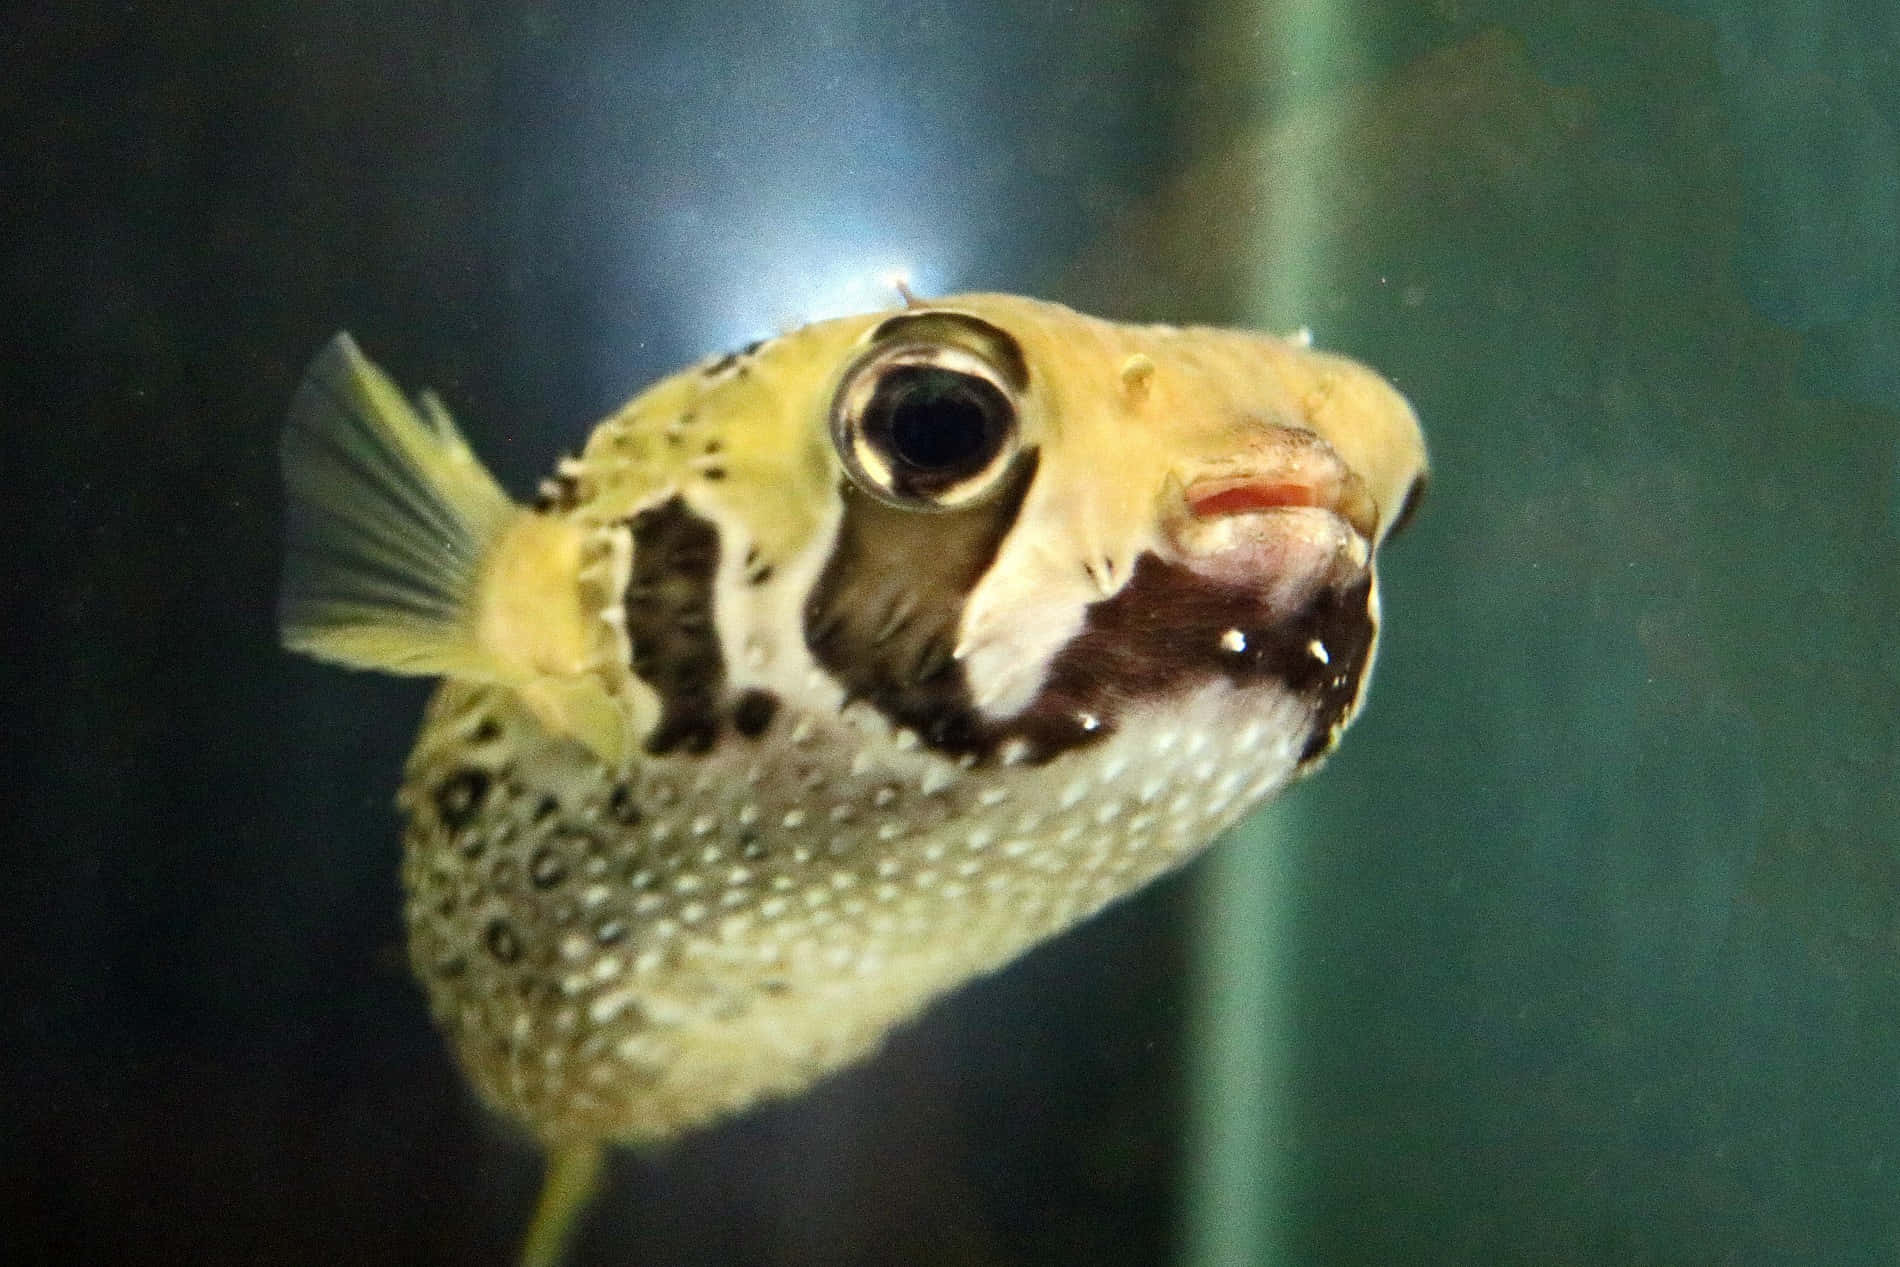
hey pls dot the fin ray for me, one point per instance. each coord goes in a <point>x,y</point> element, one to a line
<point>389,519</point>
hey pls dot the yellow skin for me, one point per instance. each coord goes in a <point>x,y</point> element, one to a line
<point>1125,417</point>
<point>625,941</point>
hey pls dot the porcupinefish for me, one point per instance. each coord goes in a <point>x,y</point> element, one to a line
<point>832,673</point>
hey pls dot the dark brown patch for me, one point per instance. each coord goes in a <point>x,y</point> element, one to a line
<point>753,711</point>
<point>1163,633</point>
<point>675,648</point>
<point>883,616</point>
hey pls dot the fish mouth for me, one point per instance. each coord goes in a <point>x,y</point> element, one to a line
<point>1282,519</point>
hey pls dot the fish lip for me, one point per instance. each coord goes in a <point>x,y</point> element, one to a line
<point>1281,519</point>
<point>1288,470</point>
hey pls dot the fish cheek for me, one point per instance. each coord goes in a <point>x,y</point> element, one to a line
<point>883,617</point>
<point>1171,630</point>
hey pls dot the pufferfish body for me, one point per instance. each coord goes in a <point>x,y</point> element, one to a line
<point>833,673</point>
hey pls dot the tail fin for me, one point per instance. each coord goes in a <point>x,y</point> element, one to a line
<point>572,1179</point>
<point>389,519</point>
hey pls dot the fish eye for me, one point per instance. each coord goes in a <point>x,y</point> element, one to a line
<point>926,426</point>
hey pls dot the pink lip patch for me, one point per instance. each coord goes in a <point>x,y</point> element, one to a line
<point>1238,499</point>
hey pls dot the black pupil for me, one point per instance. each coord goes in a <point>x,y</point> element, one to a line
<point>936,421</point>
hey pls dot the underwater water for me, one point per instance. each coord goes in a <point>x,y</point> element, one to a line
<point>1584,949</point>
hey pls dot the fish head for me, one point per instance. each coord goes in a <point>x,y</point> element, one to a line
<point>1003,525</point>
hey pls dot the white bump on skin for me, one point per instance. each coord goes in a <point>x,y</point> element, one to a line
<point>1233,640</point>
<point>1317,650</point>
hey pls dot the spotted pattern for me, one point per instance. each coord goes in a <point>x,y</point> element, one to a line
<point>675,943</point>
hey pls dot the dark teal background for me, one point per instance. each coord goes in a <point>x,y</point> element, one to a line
<point>1591,946</point>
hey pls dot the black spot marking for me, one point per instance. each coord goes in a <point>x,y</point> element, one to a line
<point>460,797</point>
<point>621,806</point>
<point>732,359</point>
<point>503,942</point>
<point>547,868</point>
<point>546,809</point>
<point>889,559</point>
<point>486,731</point>
<point>759,575</point>
<point>610,932</point>
<point>675,648</point>
<point>753,712</point>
